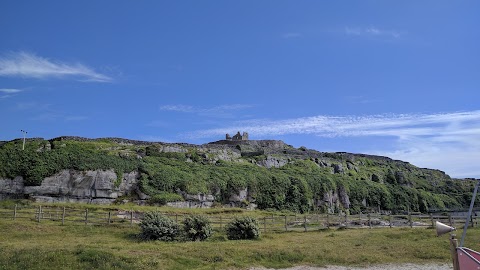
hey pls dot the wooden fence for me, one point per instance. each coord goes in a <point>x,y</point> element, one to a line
<point>267,223</point>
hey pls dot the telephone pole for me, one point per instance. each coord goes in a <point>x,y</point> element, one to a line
<point>24,136</point>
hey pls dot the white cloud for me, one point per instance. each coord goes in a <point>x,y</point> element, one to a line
<point>28,65</point>
<point>372,31</point>
<point>178,108</point>
<point>212,111</point>
<point>10,90</point>
<point>445,141</point>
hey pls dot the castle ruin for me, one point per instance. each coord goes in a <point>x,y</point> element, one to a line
<point>237,137</point>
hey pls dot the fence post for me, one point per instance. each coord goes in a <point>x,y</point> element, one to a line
<point>264,224</point>
<point>410,219</point>
<point>39,213</point>
<point>450,219</point>
<point>86,216</point>
<point>63,216</point>
<point>328,221</point>
<point>390,220</point>
<point>109,217</point>
<point>346,219</point>
<point>220,222</point>
<point>471,221</point>
<point>369,221</point>
<point>131,217</point>
<point>286,226</point>
<point>273,223</point>
<point>305,222</point>
<point>176,218</point>
<point>431,219</point>
<point>15,212</point>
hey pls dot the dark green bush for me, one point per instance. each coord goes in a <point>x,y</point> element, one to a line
<point>197,228</point>
<point>156,226</point>
<point>243,228</point>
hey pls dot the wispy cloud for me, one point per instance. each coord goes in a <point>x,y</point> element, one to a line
<point>9,92</point>
<point>446,141</point>
<point>372,31</point>
<point>217,111</point>
<point>28,65</point>
<point>398,125</point>
<point>178,108</point>
<point>290,35</point>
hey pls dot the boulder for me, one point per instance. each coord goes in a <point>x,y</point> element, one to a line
<point>338,168</point>
<point>272,161</point>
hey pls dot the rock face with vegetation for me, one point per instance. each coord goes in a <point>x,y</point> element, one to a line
<point>267,174</point>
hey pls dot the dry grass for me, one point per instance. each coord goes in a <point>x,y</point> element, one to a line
<point>30,245</point>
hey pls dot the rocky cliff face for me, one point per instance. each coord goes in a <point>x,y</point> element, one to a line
<point>99,186</point>
<point>144,158</point>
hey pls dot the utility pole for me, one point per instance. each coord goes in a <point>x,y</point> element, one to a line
<point>24,136</point>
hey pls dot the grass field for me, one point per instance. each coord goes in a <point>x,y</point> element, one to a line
<point>30,245</point>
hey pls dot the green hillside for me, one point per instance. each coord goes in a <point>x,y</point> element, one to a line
<point>299,180</point>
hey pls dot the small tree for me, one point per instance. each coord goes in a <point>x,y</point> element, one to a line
<point>243,228</point>
<point>156,226</point>
<point>197,228</point>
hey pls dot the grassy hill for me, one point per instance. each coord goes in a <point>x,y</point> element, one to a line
<point>274,174</point>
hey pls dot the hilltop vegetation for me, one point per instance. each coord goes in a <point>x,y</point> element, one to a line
<point>275,175</point>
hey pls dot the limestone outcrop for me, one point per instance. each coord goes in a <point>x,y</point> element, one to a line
<point>222,170</point>
<point>99,186</point>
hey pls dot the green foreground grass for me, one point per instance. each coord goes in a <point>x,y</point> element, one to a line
<point>30,245</point>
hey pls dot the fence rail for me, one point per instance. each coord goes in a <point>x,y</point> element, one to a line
<point>269,223</point>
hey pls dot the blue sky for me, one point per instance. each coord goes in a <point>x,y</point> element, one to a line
<point>393,78</point>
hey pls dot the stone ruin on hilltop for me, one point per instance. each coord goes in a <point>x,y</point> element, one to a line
<point>237,137</point>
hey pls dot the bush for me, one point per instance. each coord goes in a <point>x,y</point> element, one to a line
<point>164,197</point>
<point>197,228</point>
<point>156,226</point>
<point>243,228</point>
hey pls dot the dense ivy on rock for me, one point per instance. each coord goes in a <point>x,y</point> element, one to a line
<point>299,186</point>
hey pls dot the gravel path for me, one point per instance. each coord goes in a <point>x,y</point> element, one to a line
<point>407,266</point>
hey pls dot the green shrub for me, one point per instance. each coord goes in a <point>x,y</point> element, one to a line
<point>243,228</point>
<point>156,226</point>
<point>197,228</point>
<point>164,197</point>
